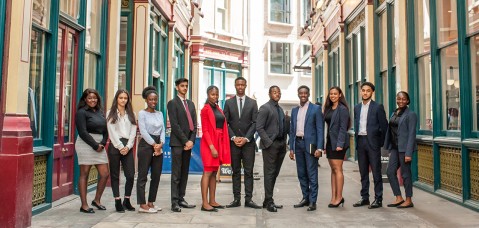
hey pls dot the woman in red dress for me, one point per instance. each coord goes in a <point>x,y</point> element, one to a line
<point>215,148</point>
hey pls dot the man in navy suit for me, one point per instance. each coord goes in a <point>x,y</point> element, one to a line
<point>370,127</point>
<point>306,138</point>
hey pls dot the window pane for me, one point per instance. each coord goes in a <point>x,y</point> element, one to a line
<point>475,81</point>
<point>56,132</point>
<point>395,17</point>
<point>122,79</point>
<point>41,12</point>
<point>279,58</point>
<point>383,41</point>
<point>279,11</point>
<point>123,40</point>
<point>155,50</point>
<point>447,21</point>
<point>35,90</point>
<point>421,21</point>
<point>230,84</point>
<point>71,8</point>
<point>90,71</point>
<point>68,89</point>
<point>450,87</point>
<point>425,92</point>
<point>306,10</point>
<point>384,81</point>
<point>93,25</point>
<point>473,12</point>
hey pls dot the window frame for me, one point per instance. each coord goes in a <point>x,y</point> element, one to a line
<point>285,65</point>
<point>286,11</point>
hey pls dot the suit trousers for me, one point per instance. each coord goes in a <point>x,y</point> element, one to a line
<point>243,155</point>
<point>146,161</point>
<point>368,156</point>
<point>180,168</point>
<point>307,169</point>
<point>396,161</point>
<point>273,158</point>
<point>128,163</point>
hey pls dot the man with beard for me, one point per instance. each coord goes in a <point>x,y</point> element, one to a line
<point>272,127</point>
<point>240,112</point>
<point>370,126</point>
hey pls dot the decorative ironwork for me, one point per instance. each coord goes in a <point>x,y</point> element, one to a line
<point>39,180</point>
<point>425,164</point>
<point>474,166</point>
<point>451,169</point>
<point>125,3</point>
<point>93,176</point>
<point>334,43</point>
<point>356,22</point>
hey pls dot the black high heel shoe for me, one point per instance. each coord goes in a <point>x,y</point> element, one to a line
<point>100,207</point>
<point>209,210</point>
<point>337,205</point>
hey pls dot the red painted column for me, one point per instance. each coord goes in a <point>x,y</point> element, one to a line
<point>16,173</point>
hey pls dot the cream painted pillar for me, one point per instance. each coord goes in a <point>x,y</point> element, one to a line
<point>18,61</point>
<point>342,57</point>
<point>113,51</point>
<point>401,50</point>
<point>369,61</point>
<point>141,41</point>
<point>325,70</point>
<point>196,78</point>
<point>171,54</point>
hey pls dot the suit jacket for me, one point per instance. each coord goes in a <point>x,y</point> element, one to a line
<point>338,128</point>
<point>406,133</point>
<point>313,127</point>
<point>246,125</point>
<point>180,129</point>
<point>267,124</point>
<point>210,134</point>
<point>376,126</point>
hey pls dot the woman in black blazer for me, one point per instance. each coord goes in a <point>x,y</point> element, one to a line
<point>401,143</point>
<point>336,115</point>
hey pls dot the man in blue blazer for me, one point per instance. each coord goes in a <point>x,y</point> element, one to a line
<point>370,127</point>
<point>306,138</point>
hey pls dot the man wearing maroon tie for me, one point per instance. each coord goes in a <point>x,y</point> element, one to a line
<point>182,115</point>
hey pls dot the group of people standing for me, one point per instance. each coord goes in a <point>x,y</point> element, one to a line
<point>228,138</point>
<point>372,132</point>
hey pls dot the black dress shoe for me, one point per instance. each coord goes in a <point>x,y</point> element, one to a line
<point>88,211</point>
<point>235,203</point>
<point>99,206</point>
<point>376,204</point>
<point>362,202</point>
<point>271,208</point>
<point>127,205</point>
<point>396,204</point>
<point>219,206</point>
<point>209,210</point>
<point>119,208</point>
<point>278,206</point>
<point>407,206</point>
<point>184,204</point>
<point>312,207</point>
<point>252,204</point>
<point>303,203</point>
<point>175,207</point>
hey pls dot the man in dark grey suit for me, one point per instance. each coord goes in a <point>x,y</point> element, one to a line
<point>272,127</point>
<point>182,115</point>
<point>370,126</point>
<point>241,112</point>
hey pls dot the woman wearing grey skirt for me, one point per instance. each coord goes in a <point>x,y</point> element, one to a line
<point>150,154</point>
<point>90,146</point>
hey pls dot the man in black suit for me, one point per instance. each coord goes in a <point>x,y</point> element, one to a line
<point>272,127</point>
<point>370,126</point>
<point>182,115</point>
<point>241,112</point>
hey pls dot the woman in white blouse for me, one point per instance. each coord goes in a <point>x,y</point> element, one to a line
<point>121,125</point>
<point>150,153</point>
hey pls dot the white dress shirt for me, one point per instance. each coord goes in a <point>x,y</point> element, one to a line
<point>238,103</point>
<point>363,120</point>
<point>301,119</point>
<point>123,128</point>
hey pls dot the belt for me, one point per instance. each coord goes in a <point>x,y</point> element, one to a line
<point>300,137</point>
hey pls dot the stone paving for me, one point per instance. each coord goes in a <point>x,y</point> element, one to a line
<point>429,210</point>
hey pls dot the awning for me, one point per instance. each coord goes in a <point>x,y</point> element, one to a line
<point>304,64</point>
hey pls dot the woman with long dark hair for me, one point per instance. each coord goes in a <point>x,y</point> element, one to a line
<point>215,148</point>
<point>150,152</point>
<point>336,115</point>
<point>401,143</point>
<point>90,146</point>
<point>121,125</point>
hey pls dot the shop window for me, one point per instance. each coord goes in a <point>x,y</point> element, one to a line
<point>306,11</point>
<point>333,69</point>
<point>71,8</point>
<point>450,87</point>
<point>422,26</point>
<point>35,85</point>
<point>280,58</point>
<point>280,11</point>
<point>425,92</point>
<point>41,12</point>
<point>446,21</point>
<point>222,75</point>
<point>123,50</point>
<point>222,17</point>
<point>473,16</point>
<point>92,43</point>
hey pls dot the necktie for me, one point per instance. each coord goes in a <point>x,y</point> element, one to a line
<point>188,115</point>
<point>241,106</point>
<point>280,119</point>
